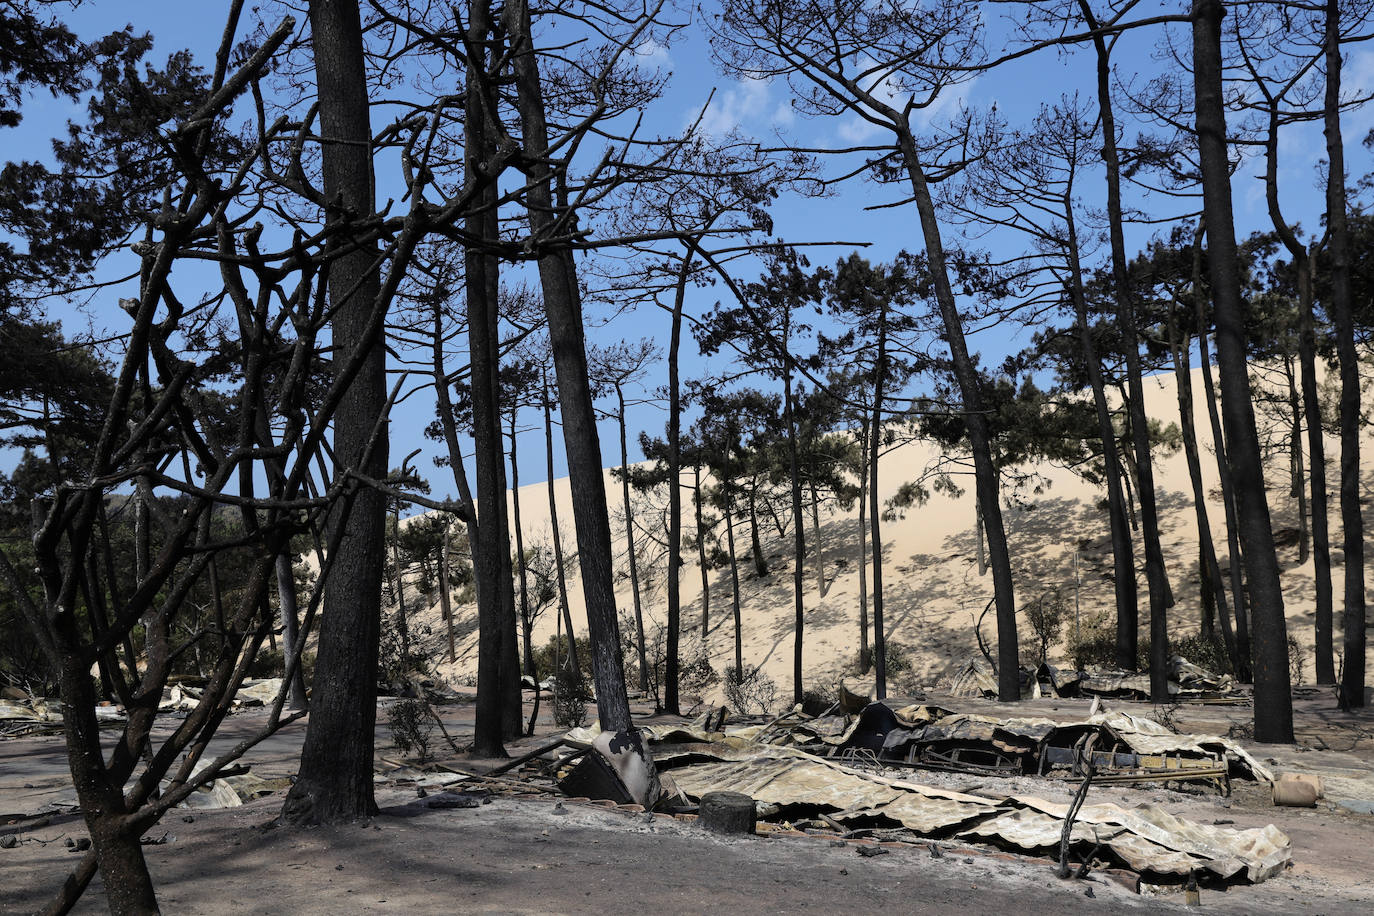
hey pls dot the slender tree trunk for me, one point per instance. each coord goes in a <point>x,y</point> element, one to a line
<point>1140,430</point>
<point>875,515</point>
<point>1296,462</point>
<point>1316,477</point>
<point>985,470</point>
<point>1342,313</point>
<point>445,600</point>
<point>760,562</point>
<point>1123,548</point>
<point>526,623</point>
<point>401,622</point>
<point>821,585</point>
<point>1228,497</point>
<point>290,628</point>
<point>482,286</point>
<point>865,653</point>
<point>798,535</point>
<point>563,306</point>
<point>1273,700</point>
<point>1213,583</point>
<point>334,782</point>
<point>630,546</point>
<point>734,583</point>
<point>670,664</point>
<point>701,553</point>
<point>573,662</point>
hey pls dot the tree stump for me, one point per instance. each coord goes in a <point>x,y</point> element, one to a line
<point>726,812</point>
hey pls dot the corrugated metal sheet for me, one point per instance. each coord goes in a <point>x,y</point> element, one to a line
<point>1148,839</point>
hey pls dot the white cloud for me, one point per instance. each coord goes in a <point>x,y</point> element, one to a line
<point>748,105</point>
<point>650,55</point>
<point>886,87</point>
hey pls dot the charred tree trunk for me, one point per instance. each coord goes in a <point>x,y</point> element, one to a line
<point>1213,583</point>
<point>527,642</point>
<point>1323,649</point>
<point>980,440</point>
<point>1140,431</point>
<point>445,600</point>
<point>865,653</point>
<point>290,628</point>
<point>1342,313</point>
<point>1296,462</point>
<point>573,661</point>
<point>734,584</point>
<point>482,286</point>
<point>630,546</point>
<point>670,664</point>
<point>1228,497</point>
<point>875,515</point>
<point>1123,547</point>
<point>756,543</point>
<point>701,553</point>
<point>563,306</point>
<point>798,536</point>
<point>334,783</point>
<point>1273,700</point>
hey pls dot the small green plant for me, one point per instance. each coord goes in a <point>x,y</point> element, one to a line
<point>750,692</point>
<point>1206,652</point>
<point>1046,614</point>
<point>553,656</point>
<point>412,726</point>
<point>396,661</point>
<point>570,696</point>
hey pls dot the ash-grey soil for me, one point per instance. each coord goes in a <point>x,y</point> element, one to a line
<point>525,855</point>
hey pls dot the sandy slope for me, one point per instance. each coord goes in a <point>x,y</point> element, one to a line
<point>933,588</point>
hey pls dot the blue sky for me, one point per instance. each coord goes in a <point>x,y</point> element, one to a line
<point>764,108</point>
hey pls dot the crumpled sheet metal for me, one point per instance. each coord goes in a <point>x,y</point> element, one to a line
<point>973,679</point>
<point>1147,838</point>
<point>780,777</point>
<point>1145,736</point>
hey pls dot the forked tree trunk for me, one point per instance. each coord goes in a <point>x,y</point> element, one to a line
<point>1273,700</point>
<point>334,782</point>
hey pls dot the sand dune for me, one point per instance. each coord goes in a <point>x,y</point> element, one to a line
<point>933,589</point>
